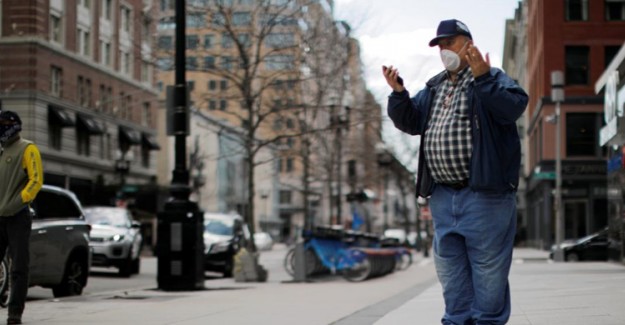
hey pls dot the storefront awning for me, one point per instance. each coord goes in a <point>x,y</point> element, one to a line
<point>92,126</point>
<point>149,141</point>
<point>59,116</point>
<point>130,136</point>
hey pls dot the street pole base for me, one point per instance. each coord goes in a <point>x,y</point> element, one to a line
<point>558,255</point>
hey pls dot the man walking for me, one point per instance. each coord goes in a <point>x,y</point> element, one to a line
<point>21,178</point>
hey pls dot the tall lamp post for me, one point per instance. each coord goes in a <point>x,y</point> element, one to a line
<point>557,95</point>
<point>339,122</point>
<point>180,242</point>
<point>384,161</point>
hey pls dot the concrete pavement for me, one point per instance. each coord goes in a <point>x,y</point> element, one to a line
<point>542,293</point>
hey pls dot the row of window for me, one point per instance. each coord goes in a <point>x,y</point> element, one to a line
<point>582,136</point>
<point>217,20</point>
<point>577,63</point>
<point>577,10</point>
<point>194,42</point>
<point>121,106</point>
<point>85,40</point>
<point>84,143</point>
<point>272,62</point>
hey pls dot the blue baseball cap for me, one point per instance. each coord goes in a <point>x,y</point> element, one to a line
<point>448,28</point>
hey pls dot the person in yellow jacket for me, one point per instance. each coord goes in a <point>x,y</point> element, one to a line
<point>21,178</point>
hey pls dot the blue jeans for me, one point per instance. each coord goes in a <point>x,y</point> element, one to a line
<point>473,240</point>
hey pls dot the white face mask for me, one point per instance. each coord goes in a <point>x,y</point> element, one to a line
<point>451,59</point>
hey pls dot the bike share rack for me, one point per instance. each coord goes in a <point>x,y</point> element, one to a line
<point>356,255</point>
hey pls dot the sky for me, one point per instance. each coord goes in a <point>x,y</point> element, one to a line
<point>397,32</point>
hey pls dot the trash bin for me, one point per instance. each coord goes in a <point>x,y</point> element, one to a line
<point>180,247</point>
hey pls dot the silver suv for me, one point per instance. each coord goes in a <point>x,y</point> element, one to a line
<point>59,245</point>
<point>115,238</point>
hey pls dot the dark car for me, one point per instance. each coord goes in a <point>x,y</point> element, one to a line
<point>59,245</point>
<point>593,247</point>
<point>224,235</point>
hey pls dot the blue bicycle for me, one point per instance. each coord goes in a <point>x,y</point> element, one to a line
<point>355,256</point>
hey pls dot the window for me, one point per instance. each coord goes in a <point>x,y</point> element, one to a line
<point>228,62</point>
<point>614,10</point>
<point>166,23</point>
<point>83,141</point>
<point>83,42</point>
<point>146,114</point>
<point>56,85</point>
<point>279,62</point>
<point>223,84</point>
<point>582,131</point>
<point>609,54</point>
<point>192,63</point>
<point>289,123</point>
<point>64,207</point>
<point>192,42</point>
<point>55,133</point>
<point>146,72</point>
<point>85,3</point>
<point>212,85</point>
<point>285,197</point>
<point>105,56</point>
<point>196,20</point>
<point>576,10</point>
<point>223,105</point>
<point>209,62</point>
<point>212,105</point>
<point>226,41</point>
<point>124,65</point>
<point>165,64</point>
<point>241,19</point>
<point>576,62</point>
<point>208,41</point>
<point>56,30</point>
<point>165,42</point>
<point>107,7</point>
<point>289,165</point>
<point>126,19</point>
<point>280,40</point>
<point>84,91</point>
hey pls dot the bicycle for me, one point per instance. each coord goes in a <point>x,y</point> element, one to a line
<point>356,256</point>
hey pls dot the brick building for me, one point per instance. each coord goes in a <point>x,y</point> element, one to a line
<point>580,38</point>
<point>80,75</point>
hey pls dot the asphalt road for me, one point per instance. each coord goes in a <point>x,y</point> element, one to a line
<point>102,280</point>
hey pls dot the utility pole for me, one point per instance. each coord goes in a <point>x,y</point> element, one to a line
<point>557,95</point>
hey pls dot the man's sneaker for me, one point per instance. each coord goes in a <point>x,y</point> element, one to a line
<point>14,320</point>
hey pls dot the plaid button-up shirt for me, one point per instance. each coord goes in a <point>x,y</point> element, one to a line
<point>448,135</point>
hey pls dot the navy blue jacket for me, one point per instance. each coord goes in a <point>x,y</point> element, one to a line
<point>496,102</point>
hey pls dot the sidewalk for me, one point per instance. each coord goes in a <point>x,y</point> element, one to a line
<point>542,293</point>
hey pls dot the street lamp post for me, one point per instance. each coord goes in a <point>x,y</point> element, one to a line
<point>557,95</point>
<point>384,161</point>
<point>180,242</point>
<point>339,122</point>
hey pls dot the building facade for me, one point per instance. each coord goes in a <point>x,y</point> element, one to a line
<point>79,73</point>
<point>578,38</point>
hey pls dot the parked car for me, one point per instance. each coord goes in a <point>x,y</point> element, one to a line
<point>593,247</point>
<point>396,233</point>
<point>59,245</point>
<point>263,241</point>
<point>224,235</point>
<point>115,239</point>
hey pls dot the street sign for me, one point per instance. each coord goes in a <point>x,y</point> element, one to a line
<point>545,175</point>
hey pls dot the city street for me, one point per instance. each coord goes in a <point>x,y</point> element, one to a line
<point>106,280</point>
